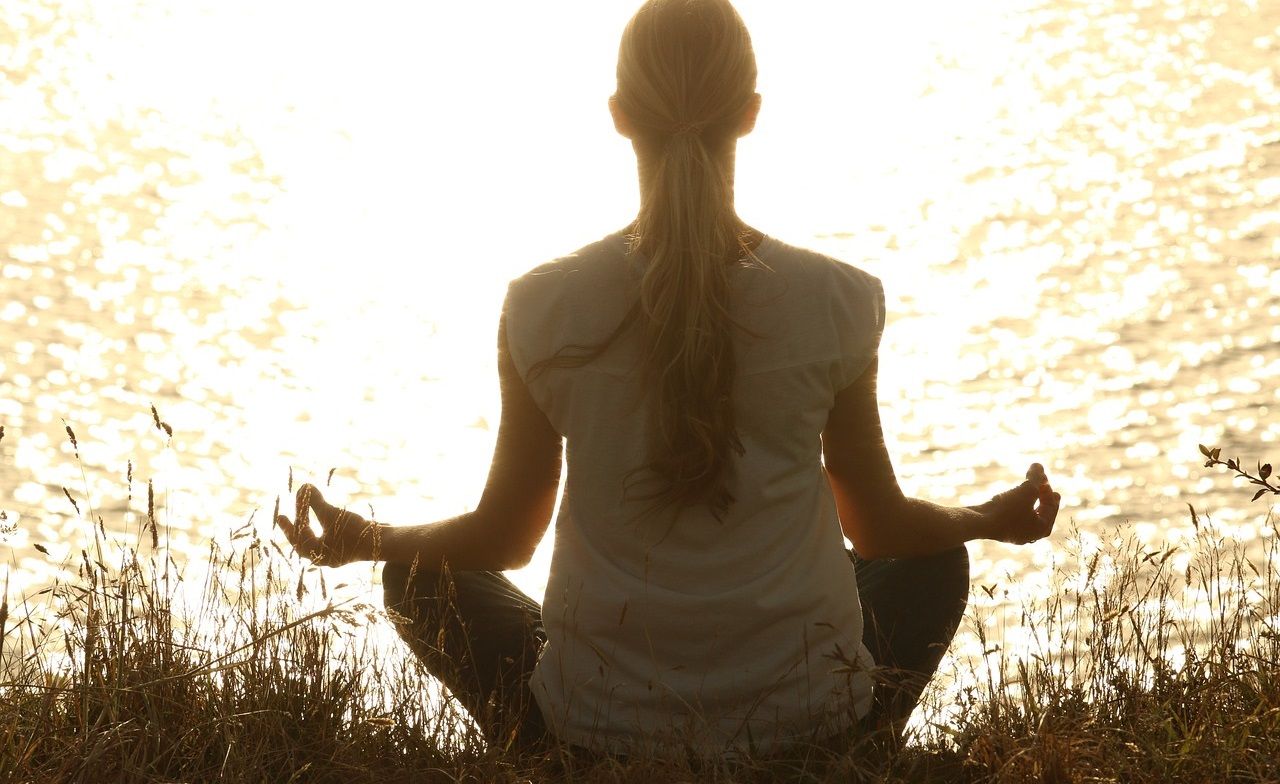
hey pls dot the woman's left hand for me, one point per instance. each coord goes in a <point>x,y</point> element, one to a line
<point>1024,514</point>
<point>345,537</point>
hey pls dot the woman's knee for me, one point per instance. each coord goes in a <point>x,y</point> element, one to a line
<point>952,570</point>
<point>395,579</point>
<point>955,562</point>
<point>403,583</point>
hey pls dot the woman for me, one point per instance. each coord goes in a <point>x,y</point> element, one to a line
<point>716,390</point>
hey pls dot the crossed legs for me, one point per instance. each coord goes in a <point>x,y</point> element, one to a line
<point>480,635</point>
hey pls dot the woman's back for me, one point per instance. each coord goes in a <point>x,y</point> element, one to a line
<point>717,398</point>
<point>723,631</point>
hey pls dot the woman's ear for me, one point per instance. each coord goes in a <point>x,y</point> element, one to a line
<point>749,115</point>
<point>621,122</point>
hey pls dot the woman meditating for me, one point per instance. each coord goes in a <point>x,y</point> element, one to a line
<point>714,393</point>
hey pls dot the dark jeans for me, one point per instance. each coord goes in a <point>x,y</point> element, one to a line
<point>911,608</point>
<point>480,635</point>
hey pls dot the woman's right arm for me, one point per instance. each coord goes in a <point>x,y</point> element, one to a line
<point>882,522</point>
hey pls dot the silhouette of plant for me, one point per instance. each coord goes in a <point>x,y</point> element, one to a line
<point>1233,464</point>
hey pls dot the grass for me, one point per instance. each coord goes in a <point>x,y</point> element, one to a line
<point>1140,665</point>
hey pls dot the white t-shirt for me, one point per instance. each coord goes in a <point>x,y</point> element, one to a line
<point>709,635</point>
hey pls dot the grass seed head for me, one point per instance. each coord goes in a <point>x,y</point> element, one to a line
<point>160,424</point>
<point>151,515</point>
<point>67,493</point>
<point>75,446</point>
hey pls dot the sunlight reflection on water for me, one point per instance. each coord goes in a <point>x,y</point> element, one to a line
<point>288,226</point>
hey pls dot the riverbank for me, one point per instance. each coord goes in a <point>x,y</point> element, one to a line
<point>1142,664</point>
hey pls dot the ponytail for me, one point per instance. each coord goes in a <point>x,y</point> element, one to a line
<point>689,234</point>
<point>686,78</point>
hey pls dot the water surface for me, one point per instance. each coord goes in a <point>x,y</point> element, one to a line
<point>288,227</point>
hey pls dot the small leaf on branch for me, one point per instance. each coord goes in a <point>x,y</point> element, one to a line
<point>1204,450</point>
<point>41,548</point>
<point>1259,494</point>
<point>1231,463</point>
<point>1216,451</point>
<point>1264,471</point>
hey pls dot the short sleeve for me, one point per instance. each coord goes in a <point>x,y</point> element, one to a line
<point>513,317</point>
<point>858,316</point>
<point>533,312</point>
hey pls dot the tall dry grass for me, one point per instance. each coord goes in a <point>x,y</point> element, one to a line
<point>1142,664</point>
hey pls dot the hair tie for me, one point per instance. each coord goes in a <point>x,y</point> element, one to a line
<point>688,129</point>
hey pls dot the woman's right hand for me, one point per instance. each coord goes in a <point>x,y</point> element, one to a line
<point>346,536</point>
<point>1024,514</point>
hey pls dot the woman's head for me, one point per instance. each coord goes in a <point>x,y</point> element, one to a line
<point>685,68</point>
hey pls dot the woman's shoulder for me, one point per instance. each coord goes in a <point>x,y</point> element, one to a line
<point>808,258</point>
<point>823,272</point>
<point>589,282</point>
<point>591,268</point>
<point>596,257</point>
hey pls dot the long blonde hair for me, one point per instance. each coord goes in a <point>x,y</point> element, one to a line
<point>686,77</point>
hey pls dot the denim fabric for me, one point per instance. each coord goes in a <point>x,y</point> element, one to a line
<point>911,608</point>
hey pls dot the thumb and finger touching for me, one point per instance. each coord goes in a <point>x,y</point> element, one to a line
<point>298,531</point>
<point>1048,501</point>
<point>1031,507</point>
<point>341,535</point>
<point>1036,473</point>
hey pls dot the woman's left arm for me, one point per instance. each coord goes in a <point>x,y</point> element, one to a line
<point>501,533</point>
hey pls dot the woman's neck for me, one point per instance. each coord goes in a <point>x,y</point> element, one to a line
<point>646,162</point>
